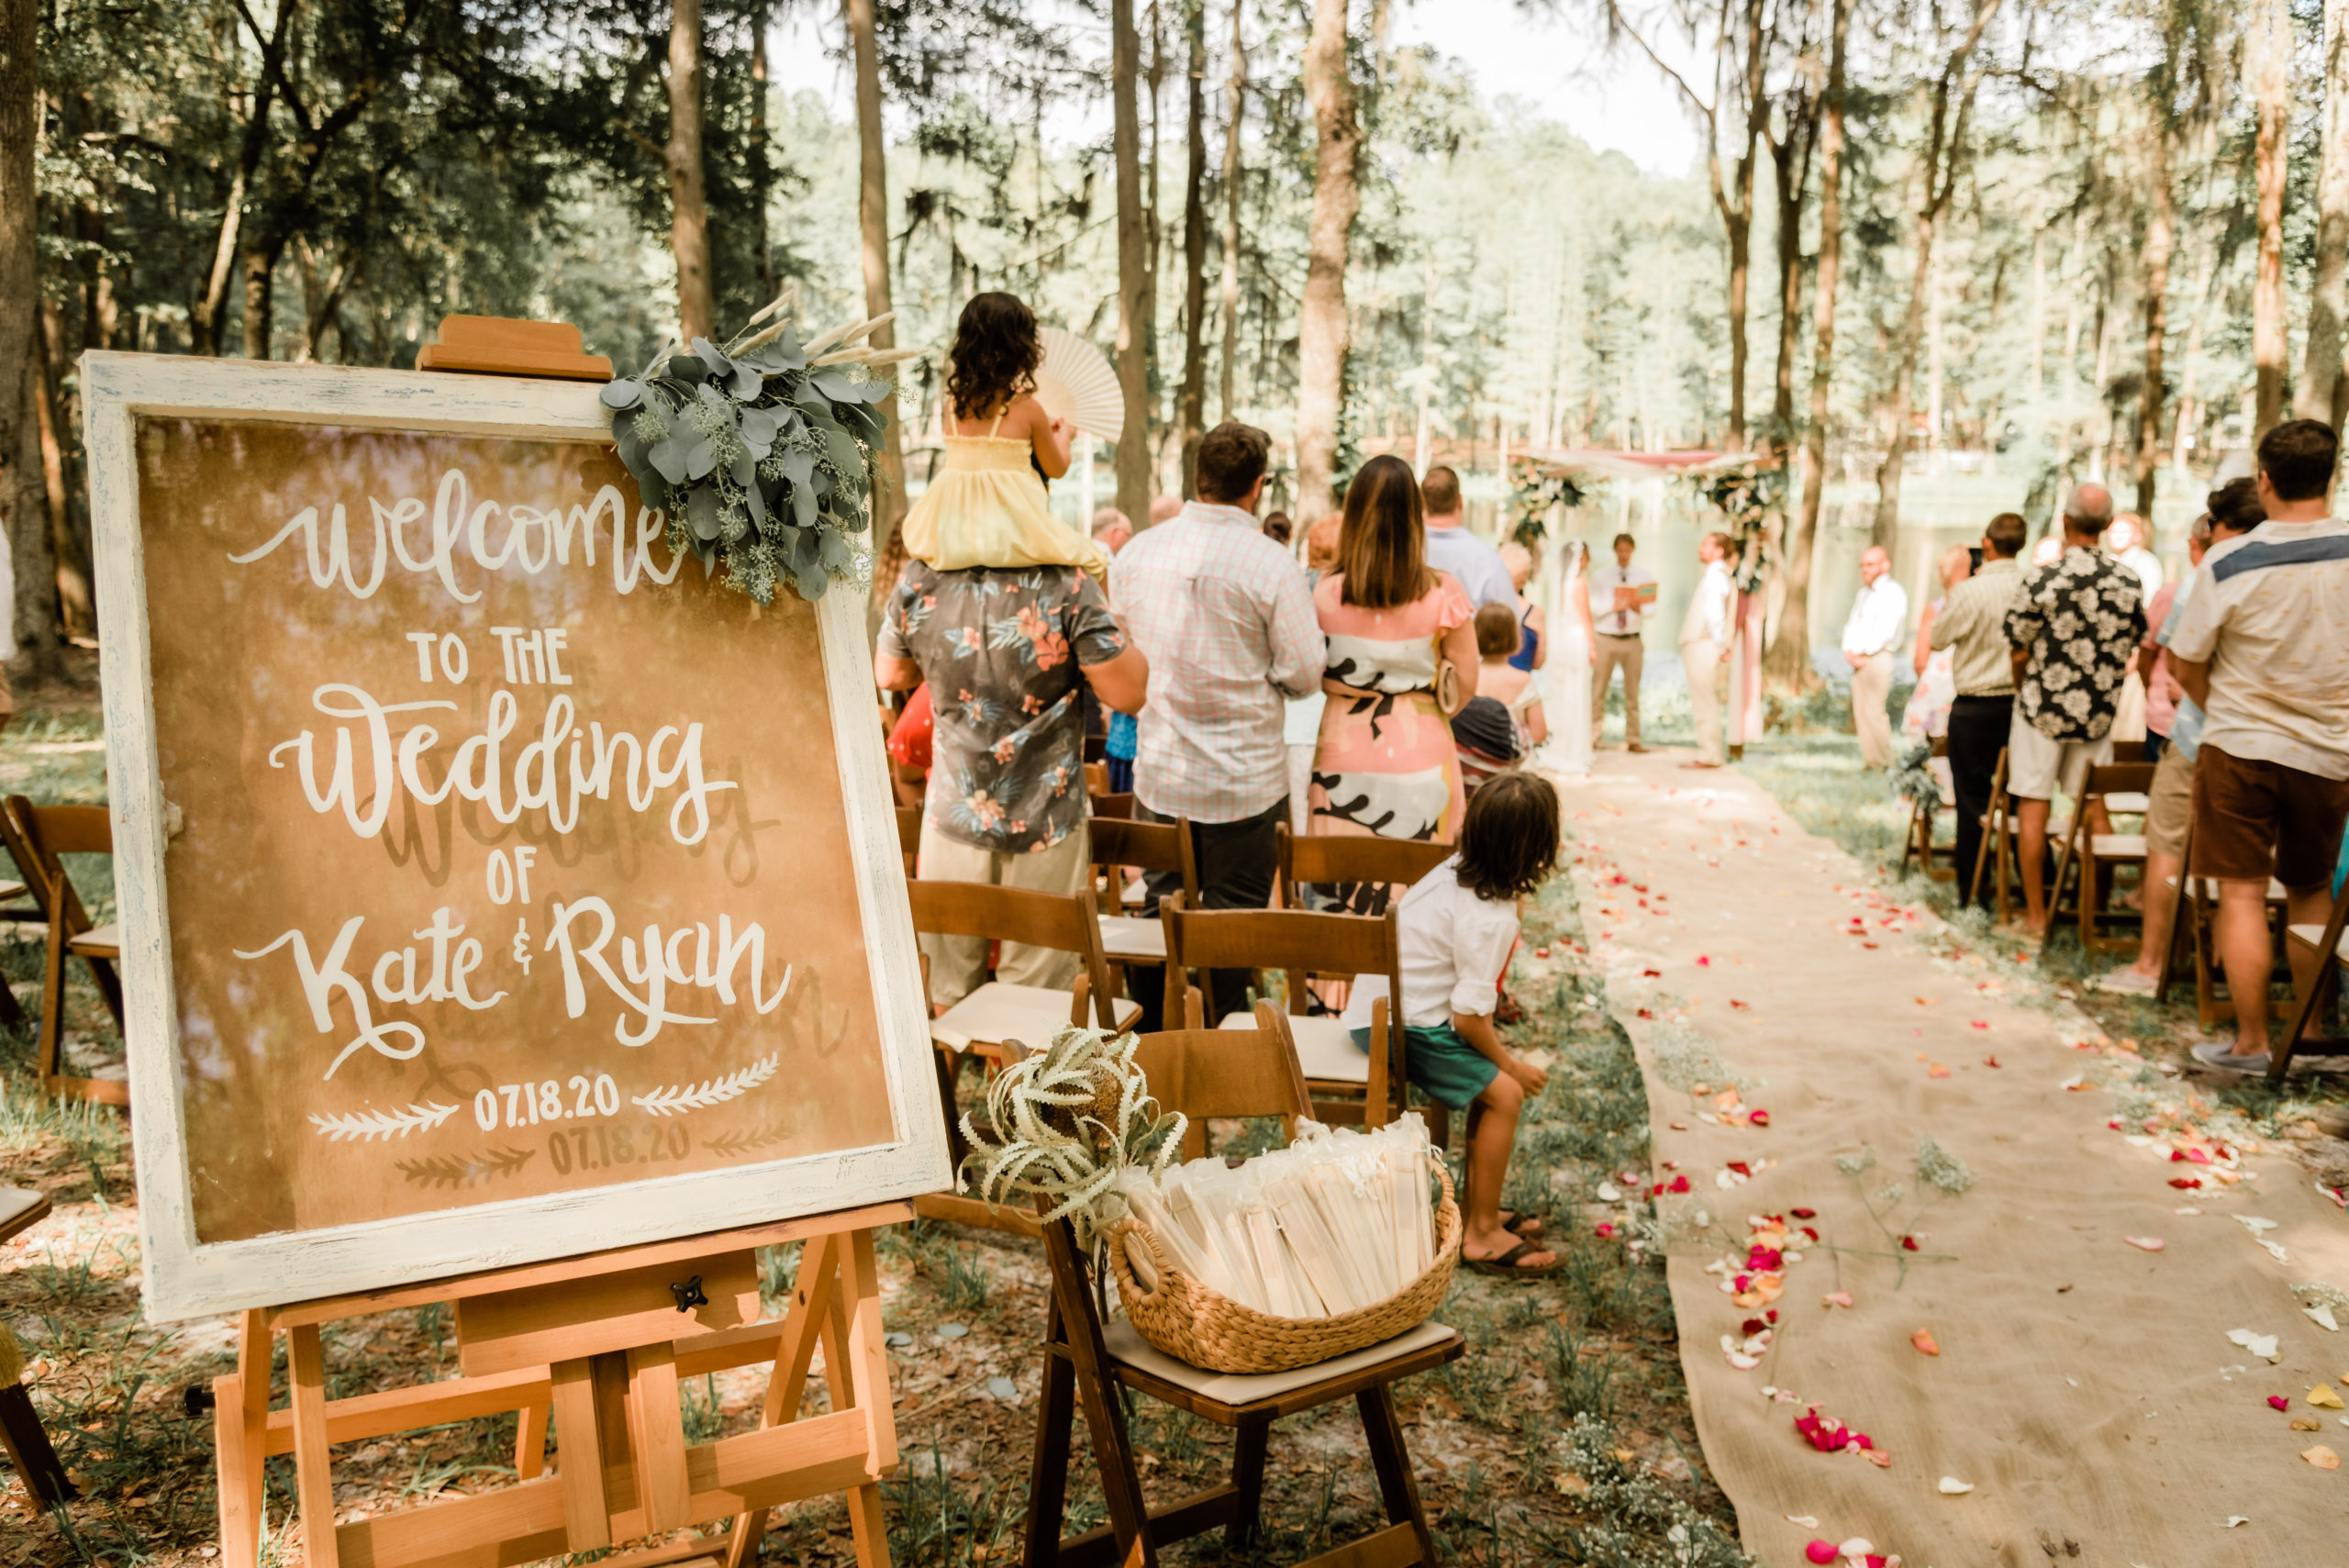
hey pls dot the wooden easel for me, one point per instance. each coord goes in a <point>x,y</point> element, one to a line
<point>599,1343</point>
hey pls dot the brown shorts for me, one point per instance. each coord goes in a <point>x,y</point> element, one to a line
<point>2254,821</point>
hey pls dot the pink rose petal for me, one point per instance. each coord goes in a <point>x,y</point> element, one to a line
<point>2279,1402</point>
<point>2147,1243</point>
<point>1819,1551</point>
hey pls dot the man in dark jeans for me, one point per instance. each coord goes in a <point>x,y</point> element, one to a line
<point>1228,613</point>
<point>1973,622</point>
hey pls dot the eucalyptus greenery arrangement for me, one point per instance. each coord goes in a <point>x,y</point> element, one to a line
<point>761,452</point>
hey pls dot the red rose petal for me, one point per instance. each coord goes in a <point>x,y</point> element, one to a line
<point>2186,1182</point>
<point>1759,1118</point>
<point>2279,1402</point>
<point>1909,1243</point>
<point>1680,1184</point>
<point>1804,1213</point>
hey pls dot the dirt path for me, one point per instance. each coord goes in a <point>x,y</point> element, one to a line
<point>2085,1387</point>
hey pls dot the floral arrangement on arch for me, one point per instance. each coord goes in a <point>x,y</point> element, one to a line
<point>761,452</point>
<point>1531,496</point>
<point>1746,499</point>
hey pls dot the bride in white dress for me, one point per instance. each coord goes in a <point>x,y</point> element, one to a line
<point>1566,694</point>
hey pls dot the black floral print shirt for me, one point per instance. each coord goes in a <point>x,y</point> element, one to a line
<point>2080,617</point>
<point>1001,649</point>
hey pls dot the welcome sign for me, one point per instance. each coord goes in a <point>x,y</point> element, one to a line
<point>495,886</point>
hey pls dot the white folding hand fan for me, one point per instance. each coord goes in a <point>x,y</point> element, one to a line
<point>1075,382</point>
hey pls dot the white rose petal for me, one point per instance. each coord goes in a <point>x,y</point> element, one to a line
<point>1951,1486</point>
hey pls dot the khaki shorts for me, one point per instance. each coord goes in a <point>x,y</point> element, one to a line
<point>2255,819</point>
<point>2037,767</point>
<point>2173,804</point>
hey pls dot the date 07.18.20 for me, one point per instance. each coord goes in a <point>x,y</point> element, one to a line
<point>527,1105</point>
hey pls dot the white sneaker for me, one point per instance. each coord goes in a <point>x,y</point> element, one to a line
<point>2126,982</point>
<point>2220,1055</point>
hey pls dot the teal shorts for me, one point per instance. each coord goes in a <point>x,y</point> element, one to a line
<point>1446,1068</point>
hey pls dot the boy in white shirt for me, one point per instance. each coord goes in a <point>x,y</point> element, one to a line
<point>1458,927</point>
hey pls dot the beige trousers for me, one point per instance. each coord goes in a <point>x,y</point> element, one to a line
<point>1703,660</point>
<point>1871,686</point>
<point>1626,655</point>
<point>958,965</point>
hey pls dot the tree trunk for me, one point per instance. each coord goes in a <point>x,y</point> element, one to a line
<point>24,505</point>
<point>2160,240</point>
<point>1192,416</point>
<point>1322,310</point>
<point>1133,267</point>
<point>761,161</point>
<point>2267,56</point>
<point>1236,100</point>
<point>258,264</point>
<point>1787,664</point>
<point>1791,159</point>
<point>872,227</point>
<point>207,314</point>
<point>688,205</point>
<point>2322,392</point>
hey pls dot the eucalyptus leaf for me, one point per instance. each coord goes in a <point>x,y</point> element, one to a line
<point>837,555</point>
<point>748,384</point>
<point>688,369</point>
<point>811,584</point>
<point>743,470</point>
<point>803,506</point>
<point>860,416</point>
<point>818,407</point>
<point>671,456</point>
<point>700,460</point>
<point>759,428</point>
<point>843,449</point>
<point>631,445</point>
<point>798,465</point>
<point>622,395</point>
<point>838,385</point>
<point>756,504</point>
<point>701,513</point>
<point>823,483</point>
<point>713,357</point>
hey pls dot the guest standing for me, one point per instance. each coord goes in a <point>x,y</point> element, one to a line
<point>1386,764</point>
<point>1452,548</point>
<point>1627,591</point>
<point>1230,621</point>
<point>2263,647</point>
<point>1705,645</point>
<point>1972,624</point>
<point>2071,634</point>
<point>1111,529</point>
<point>1927,713</point>
<point>1871,633</point>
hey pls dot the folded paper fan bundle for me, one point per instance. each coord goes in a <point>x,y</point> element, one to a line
<point>1335,1243</point>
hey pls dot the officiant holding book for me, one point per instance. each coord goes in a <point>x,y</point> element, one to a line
<point>1620,596</point>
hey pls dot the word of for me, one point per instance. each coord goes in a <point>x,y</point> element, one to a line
<point>532,660</point>
<point>537,779</point>
<point>655,966</point>
<point>533,539</point>
<point>452,963</point>
<point>527,1105</point>
<point>594,1149</point>
<point>509,875</point>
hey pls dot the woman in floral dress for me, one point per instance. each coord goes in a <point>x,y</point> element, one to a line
<point>1386,763</point>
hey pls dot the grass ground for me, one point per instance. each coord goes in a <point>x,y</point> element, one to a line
<point>1562,1436</point>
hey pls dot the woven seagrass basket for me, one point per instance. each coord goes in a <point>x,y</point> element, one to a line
<point>1194,1324</point>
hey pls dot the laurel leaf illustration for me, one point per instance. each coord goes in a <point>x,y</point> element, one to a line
<point>367,1126</point>
<point>678,1098</point>
<point>753,1138</point>
<point>462,1171</point>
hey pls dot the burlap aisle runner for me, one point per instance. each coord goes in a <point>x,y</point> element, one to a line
<point>2085,1388</point>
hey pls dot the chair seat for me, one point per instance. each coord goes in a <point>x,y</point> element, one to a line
<point>2118,846</point>
<point>2209,887</point>
<point>2308,936</point>
<point>20,1207</point>
<point>98,941</point>
<point>1326,1051</point>
<point>1128,1347</point>
<point>1132,939</point>
<point>2129,801</point>
<point>998,1014</point>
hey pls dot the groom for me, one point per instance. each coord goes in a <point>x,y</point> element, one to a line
<point>1705,645</point>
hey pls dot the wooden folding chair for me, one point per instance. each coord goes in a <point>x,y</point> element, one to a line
<point>1998,843</point>
<point>2191,930</point>
<point>22,1439</point>
<point>1322,859</point>
<point>910,836</point>
<point>2121,787</point>
<point>46,832</point>
<point>1206,1073</point>
<point>1349,1086</point>
<point>1105,804</point>
<point>2328,944</point>
<point>19,906</point>
<point>1119,845</point>
<point>1918,847</point>
<point>997,1013</point>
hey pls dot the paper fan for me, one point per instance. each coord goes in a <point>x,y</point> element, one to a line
<point>1075,383</point>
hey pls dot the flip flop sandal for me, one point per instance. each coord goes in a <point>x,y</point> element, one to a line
<point>1527,1224</point>
<point>1505,1266</point>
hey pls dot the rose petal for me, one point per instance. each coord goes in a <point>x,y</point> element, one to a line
<point>1925,1343</point>
<point>2323,1397</point>
<point>1951,1486</point>
<point>1836,1298</point>
<point>2279,1402</point>
<point>2147,1243</point>
<point>1819,1551</point>
<point>1858,1546</point>
<point>1804,1213</point>
<point>2321,1457</point>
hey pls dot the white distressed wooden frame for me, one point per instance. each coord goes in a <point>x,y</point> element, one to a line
<point>182,1278</point>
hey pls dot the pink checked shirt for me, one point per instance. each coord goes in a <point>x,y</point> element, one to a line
<point>1227,622</point>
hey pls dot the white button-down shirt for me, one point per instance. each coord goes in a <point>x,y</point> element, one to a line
<point>1708,608</point>
<point>1604,580</point>
<point>1225,617</point>
<point>1878,617</point>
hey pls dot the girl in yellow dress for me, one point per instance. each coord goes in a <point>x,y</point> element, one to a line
<point>986,504</point>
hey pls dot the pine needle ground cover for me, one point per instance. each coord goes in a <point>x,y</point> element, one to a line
<point>1563,1436</point>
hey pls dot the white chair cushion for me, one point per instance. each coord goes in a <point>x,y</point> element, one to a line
<point>1326,1051</point>
<point>1127,939</point>
<point>1235,1388</point>
<point>2129,801</point>
<point>2117,846</point>
<point>99,942</point>
<point>2209,886</point>
<point>997,1014</point>
<point>20,1206</point>
<point>2308,936</point>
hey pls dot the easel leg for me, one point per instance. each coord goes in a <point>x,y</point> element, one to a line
<point>240,1433</point>
<point>531,1442</point>
<point>1387,1457</point>
<point>313,1480</point>
<point>853,1357</point>
<point>579,1455</point>
<point>811,1305</point>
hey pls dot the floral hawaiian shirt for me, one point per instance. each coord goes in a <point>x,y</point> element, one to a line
<point>2080,617</point>
<point>1001,649</point>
